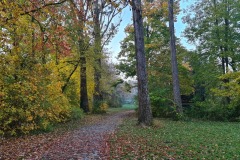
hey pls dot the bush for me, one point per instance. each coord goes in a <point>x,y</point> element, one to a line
<point>31,100</point>
<point>115,103</point>
<point>161,107</point>
<point>76,113</point>
<point>214,110</point>
<point>100,107</point>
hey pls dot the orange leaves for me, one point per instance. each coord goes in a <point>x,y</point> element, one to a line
<point>153,8</point>
<point>158,8</point>
<point>129,29</point>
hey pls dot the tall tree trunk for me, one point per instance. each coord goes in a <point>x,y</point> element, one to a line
<point>83,82</point>
<point>226,46</point>
<point>145,113</point>
<point>226,35</point>
<point>176,87</point>
<point>97,96</point>
<point>83,62</point>
<point>218,38</point>
<point>83,75</point>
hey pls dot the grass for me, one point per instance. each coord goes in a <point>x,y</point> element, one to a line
<point>124,107</point>
<point>176,140</point>
<point>129,106</point>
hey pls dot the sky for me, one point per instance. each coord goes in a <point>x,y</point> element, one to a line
<point>114,45</point>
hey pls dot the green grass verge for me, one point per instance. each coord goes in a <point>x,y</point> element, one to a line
<point>176,140</point>
<point>129,106</point>
<point>123,108</point>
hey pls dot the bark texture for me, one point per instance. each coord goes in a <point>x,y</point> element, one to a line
<point>83,83</point>
<point>83,62</point>
<point>144,113</point>
<point>176,87</point>
<point>97,96</point>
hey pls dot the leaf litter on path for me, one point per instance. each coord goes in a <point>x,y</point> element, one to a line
<point>87,142</point>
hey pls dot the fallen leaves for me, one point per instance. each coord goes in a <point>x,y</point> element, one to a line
<point>176,140</point>
<point>85,140</point>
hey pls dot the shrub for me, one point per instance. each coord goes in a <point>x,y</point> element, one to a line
<point>161,107</point>
<point>76,113</point>
<point>31,100</point>
<point>222,103</point>
<point>213,110</point>
<point>100,107</point>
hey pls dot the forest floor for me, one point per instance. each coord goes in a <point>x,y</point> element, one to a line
<point>115,135</point>
<point>85,139</point>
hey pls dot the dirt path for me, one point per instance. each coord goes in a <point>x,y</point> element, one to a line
<point>84,143</point>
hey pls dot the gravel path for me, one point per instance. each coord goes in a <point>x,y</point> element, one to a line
<point>85,143</point>
<point>88,142</point>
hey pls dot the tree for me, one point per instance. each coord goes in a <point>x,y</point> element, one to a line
<point>213,27</point>
<point>144,113</point>
<point>81,11</point>
<point>97,96</point>
<point>104,13</point>
<point>176,87</point>
<point>30,84</point>
<point>156,41</point>
<point>214,30</point>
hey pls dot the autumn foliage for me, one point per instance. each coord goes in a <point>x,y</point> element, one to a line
<point>45,46</point>
<point>31,100</point>
<point>31,96</point>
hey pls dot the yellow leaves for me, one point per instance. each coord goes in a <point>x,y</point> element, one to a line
<point>104,106</point>
<point>165,5</point>
<point>1,94</point>
<point>187,66</point>
<point>229,86</point>
<point>3,14</point>
<point>155,7</point>
<point>100,107</point>
<point>158,8</point>
<point>29,118</point>
<point>30,88</point>
<point>24,22</point>
<point>45,124</point>
<point>32,101</point>
<point>129,29</point>
<point>41,112</point>
<point>10,10</point>
<point>152,45</point>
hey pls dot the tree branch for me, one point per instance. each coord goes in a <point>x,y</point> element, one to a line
<point>37,9</point>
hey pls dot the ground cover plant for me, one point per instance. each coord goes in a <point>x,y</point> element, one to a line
<point>169,139</point>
